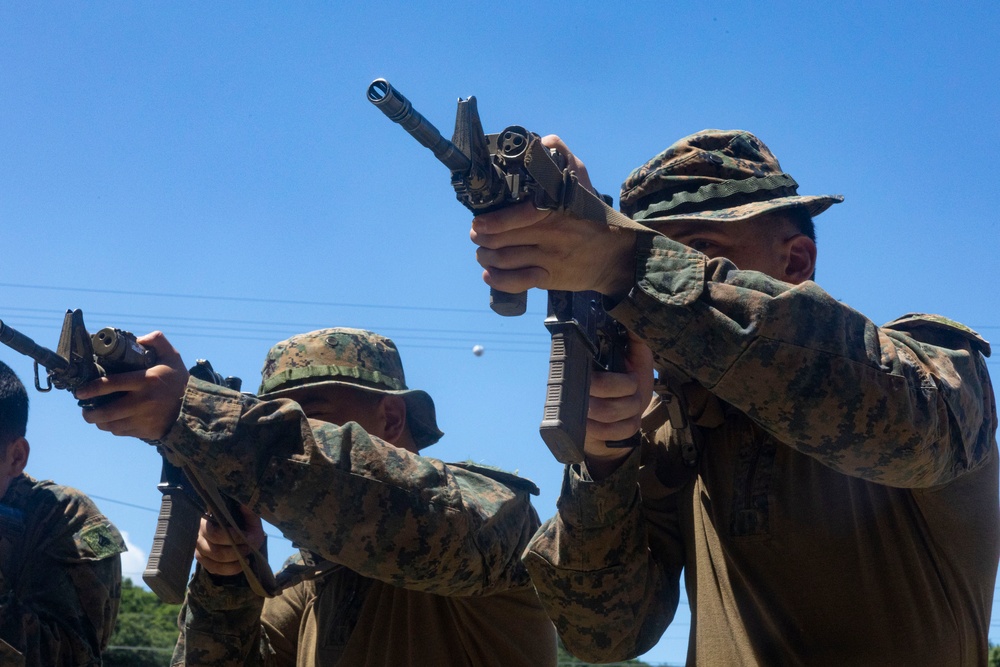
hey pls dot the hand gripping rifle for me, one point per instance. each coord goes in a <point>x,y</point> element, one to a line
<point>490,172</point>
<point>80,358</point>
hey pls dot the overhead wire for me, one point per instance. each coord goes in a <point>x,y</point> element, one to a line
<point>243,299</point>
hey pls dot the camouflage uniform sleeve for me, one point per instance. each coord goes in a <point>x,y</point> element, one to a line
<point>908,406</point>
<point>608,596</point>
<point>220,625</point>
<point>60,606</point>
<point>385,513</point>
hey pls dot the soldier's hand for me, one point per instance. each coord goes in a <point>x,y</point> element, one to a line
<point>521,247</point>
<point>152,397</point>
<point>617,401</point>
<point>215,551</point>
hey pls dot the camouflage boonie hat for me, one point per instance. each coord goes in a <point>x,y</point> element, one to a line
<point>349,357</point>
<point>714,175</point>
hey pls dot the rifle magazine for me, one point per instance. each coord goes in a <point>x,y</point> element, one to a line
<point>169,565</point>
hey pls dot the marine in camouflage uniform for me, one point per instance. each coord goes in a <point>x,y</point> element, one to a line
<point>827,487</point>
<point>405,560</point>
<point>60,563</point>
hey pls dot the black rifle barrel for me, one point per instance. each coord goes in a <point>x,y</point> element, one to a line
<point>45,357</point>
<point>399,110</point>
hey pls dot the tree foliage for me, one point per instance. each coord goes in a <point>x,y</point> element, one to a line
<point>146,630</point>
<point>567,660</point>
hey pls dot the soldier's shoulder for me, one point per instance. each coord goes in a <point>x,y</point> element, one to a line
<point>510,479</point>
<point>74,501</point>
<point>92,536</point>
<point>939,325</point>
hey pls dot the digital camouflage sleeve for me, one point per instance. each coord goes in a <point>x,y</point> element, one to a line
<point>907,405</point>
<point>437,527</point>
<point>61,569</point>
<point>220,625</point>
<point>848,463</point>
<point>407,520</point>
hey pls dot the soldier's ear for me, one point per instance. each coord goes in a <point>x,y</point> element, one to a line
<point>800,259</point>
<point>17,456</point>
<point>394,412</point>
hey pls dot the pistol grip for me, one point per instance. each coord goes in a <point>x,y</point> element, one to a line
<point>508,305</point>
<point>567,396</point>
<point>619,338</point>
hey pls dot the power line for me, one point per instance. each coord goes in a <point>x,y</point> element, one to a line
<point>251,329</point>
<point>241,299</point>
<point>156,511</point>
<point>262,300</point>
<point>269,330</point>
<point>122,502</point>
<point>228,322</point>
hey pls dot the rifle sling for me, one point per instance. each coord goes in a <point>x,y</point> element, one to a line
<point>561,186</point>
<point>255,567</point>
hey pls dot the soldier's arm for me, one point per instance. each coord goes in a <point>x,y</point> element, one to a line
<point>607,567</point>
<point>356,500</point>
<point>896,407</point>
<point>60,606</point>
<point>220,624</point>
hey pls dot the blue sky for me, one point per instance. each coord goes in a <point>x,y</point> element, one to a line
<point>215,171</point>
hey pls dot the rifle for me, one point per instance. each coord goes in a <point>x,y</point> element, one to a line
<point>81,358</point>
<point>181,509</point>
<point>493,171</point>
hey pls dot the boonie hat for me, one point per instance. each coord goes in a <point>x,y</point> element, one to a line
<point>714,175</point>
<point>350,357</point>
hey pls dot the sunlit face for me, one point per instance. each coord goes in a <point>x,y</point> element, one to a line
<point>759,244</point>
<point>338,404</point>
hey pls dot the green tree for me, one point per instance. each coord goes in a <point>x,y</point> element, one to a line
<point>567,660</point>
<point>994,656</point>
<point>146,630</point>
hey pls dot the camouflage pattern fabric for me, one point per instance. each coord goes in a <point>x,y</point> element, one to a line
<point>61,576</point>
<point>843,507</point>
<point>343,356</point>
<point>440,544</point>
<point>714,175</point>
